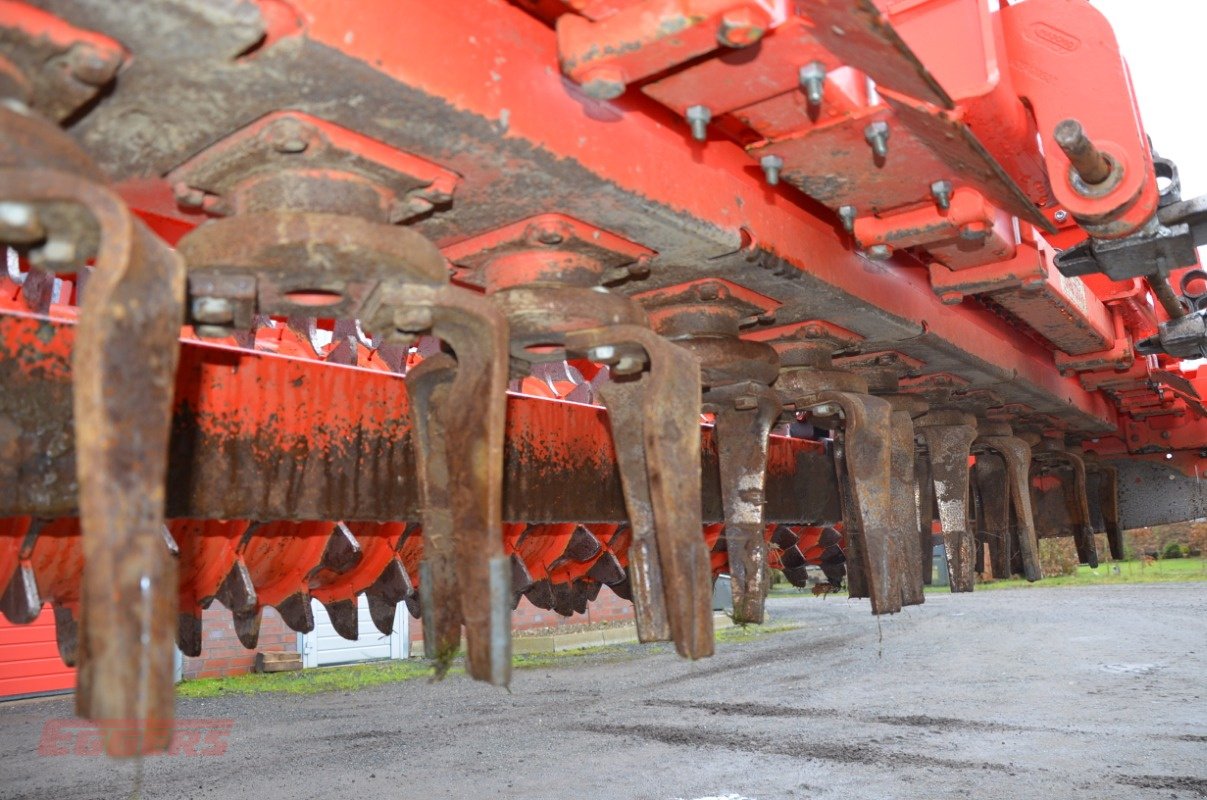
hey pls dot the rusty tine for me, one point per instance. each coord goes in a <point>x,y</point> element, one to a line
<point>742,445</point>
<point>909,565</point>
<point>924,500</point>
<point>663,403</point>
<point>1078,504</point>
<point>949,436</point>
<point>1107,497</point>
<point>993,488</point>
<point>857,581</point>
<point>1017,455</point>
<point>128,330</point>
<point>867,459</point>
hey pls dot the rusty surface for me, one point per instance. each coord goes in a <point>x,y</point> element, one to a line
<point>906,550</point>
<point>742,442</point>
<point>123,370</point>
<point>663,404</point>
<point>1016,453</point>
<point>948,439</point>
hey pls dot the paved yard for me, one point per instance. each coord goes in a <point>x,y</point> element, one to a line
<point>1064,693</point>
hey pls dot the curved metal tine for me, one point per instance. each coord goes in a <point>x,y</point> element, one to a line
<point>948,448</point>
<point>474,421</point>
<point>993,486</point>
<point>924,502</point>
<point>908,552</point>
<point>663,403</point>
<point>1108,502</point>
<point>742,444</point>
<point>857,582</point>
<point>1017,455</point>
<point>124,367</point>
<point>867,457</point>
<point>428,387</point>
<point>1079,510</point>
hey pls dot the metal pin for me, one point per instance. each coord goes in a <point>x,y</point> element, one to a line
<point>771,168</point>
<point>812,80</point>
<point>877,136</point>
<point>847,214</point>
<point>698,117</point>
<point>1088,161</point>
<point>941,191</point>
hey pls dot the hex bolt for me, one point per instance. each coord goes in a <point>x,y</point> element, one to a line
<point>973,231</point>
<point>813,81</point>
<point>89,65</point>
<point>1061,215</point>
<point>879,252</point>
<point>941,191</point>
<point>287,136</point>
<point>628,365</point>
<point>877,136</point>
<point>603,83</point>
<point>698,117</point>
<point>602,354</point>
<point>213,311</point>
<point>57,255</point>
<point>771,168</point>
<point>187,196</point>
<point>708,291</point>
<point>847,214</point>
<point>739,28</point>
<point>1090,163</point>
<point>19,223</point>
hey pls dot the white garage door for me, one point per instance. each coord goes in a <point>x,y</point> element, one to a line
<point>324,646</point>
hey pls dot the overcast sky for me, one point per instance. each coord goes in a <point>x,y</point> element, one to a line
<point>1163,42</point>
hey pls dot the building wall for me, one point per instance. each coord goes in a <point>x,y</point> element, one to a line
<point>221,651</point>
<point>222,654</point>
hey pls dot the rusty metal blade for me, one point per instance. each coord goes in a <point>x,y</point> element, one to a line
<point>1017,455</point>
<point>948,448</point>
<point>667,416</point>
<point>124,368</point>
<point>994,521</point>
<point>867,458</point>
<point>742,445</point>
<point>908,562</point>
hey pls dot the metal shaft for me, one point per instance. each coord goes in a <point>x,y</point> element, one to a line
<point>1089,162</point>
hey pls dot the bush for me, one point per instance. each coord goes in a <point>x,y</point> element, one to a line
<point>1172,550</point>
<point>1058,556</point>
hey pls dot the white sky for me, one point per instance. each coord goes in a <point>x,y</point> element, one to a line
<point>1164,42</point>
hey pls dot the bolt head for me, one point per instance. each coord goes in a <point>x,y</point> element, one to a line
<point>740,27</point>
<point>879,252</point>
<point>603,83</point>
<point>288,136</point>
<point>218,311</point>
<point>745,403</point>
<point>19,223</point>
<point>602,354</point>
<point>91,66</point>
<point>708,291</point>
<point>628,365</point>
<point>1061,215</point>
<point>57,255</point>
<point>826,410</point>
<point>187,196</point>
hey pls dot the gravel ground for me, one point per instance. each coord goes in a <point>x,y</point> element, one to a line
<point>1070,693</point>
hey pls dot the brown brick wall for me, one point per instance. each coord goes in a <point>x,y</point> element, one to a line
<point>222,654</point>
<point>221,651</point>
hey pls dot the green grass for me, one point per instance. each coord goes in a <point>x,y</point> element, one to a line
<point>310,681</point>
<point>360,676</point>
<point>1172,570</point>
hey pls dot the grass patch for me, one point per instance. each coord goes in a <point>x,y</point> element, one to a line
<point>1174,570</point>
<point>744,633</point>
<point>311,681</point>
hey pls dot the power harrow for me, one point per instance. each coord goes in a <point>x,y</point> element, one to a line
<point>451,303</point>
